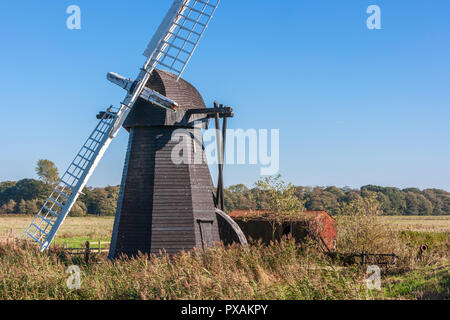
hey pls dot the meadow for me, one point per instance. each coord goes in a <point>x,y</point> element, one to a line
<point>74,232</point>
<point>284,270</point>
<point>419,223</point>
<point>77,230</point>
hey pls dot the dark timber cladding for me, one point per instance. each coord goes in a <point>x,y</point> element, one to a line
<point>163,205</point>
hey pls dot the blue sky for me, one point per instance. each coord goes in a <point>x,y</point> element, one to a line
<point>354,106</point>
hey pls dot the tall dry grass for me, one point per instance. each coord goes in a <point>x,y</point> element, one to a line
<point>362,228</point>
<point>283,270</point>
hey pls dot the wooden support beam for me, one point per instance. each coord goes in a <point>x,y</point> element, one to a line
<point>221,138</point>
<point>224,137</point>
<point>224,112</point>
<point>219,159</point>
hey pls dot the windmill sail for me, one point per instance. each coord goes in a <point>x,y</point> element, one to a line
<point>171,48</point>
<point>178,36</point>
<point>47,222</point>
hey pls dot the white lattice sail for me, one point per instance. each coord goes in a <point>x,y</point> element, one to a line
<point>47,222</point>
<point>174,44</point>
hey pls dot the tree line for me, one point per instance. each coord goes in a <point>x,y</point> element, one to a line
<point>392,201</point>
<point>27,196</point>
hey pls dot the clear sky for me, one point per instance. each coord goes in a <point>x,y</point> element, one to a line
<point>354,106</point>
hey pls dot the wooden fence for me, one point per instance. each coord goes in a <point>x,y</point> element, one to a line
<point>365,258</point>
<point>87,251</point>
<point>90,247</point>
<point>101,247</point>
<point>378,258</point>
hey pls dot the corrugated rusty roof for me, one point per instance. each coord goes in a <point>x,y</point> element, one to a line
<point>265,214</point>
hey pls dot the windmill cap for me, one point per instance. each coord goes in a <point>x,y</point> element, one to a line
<point>182,92</point>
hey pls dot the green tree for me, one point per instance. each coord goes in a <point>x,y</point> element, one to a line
<point>239,197</point>
<point>339,193</point>
<point>47,172</point>
<point>353,195</point>
<point>29,189</point>
<point>9,207</point>
<point>412,203</point>
<point>425,206</point>
<point>320,199</point>
<point>392,201</point>
<point>101,201</point>
<point>78,210</point>
<point>6,191</point>
<point>22,207</point>
<point>435,197</point>
<point>32,206</point>
<point>283,203</point>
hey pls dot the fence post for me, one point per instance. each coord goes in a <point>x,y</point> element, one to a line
<point>394,258</point>
<point>99,246</point>
<point>363,258</point>
<point>87,252</point>
<point>13,239</point>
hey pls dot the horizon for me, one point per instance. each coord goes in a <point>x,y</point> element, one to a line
<point>354,106</point>
<point>252,186</point>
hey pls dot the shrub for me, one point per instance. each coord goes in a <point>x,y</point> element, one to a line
<point>32,206</point>
<point>27,207</point>
<point>282,201</point>
<point>8,208</point>
<point>361,228</point>
<point>78,210</point>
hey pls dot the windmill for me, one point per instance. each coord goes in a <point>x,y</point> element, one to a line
<point>162,205</point>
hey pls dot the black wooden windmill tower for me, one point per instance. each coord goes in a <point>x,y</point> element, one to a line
<point>167,200</point>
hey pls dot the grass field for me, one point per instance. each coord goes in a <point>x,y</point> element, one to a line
<point>421,224</point>
<point>76,231</point>
<point>281,271</point>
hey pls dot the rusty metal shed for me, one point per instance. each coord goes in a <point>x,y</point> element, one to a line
<point>317,224</point>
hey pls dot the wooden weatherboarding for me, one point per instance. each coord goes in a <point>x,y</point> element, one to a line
<point>163,204</point>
